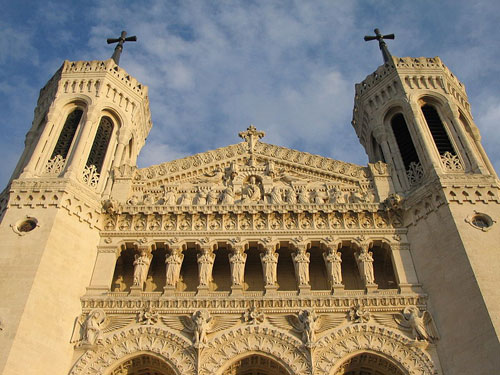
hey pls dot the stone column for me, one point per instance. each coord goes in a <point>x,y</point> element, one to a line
<point>237,261</point>
<point>142,263</point>
<point>404,268</point>
<point>333,263</point>
<point>205,260</point>
<point>364,259</point>
<point>269,261</point>
<point>173,264</point>
<point>301,264</point>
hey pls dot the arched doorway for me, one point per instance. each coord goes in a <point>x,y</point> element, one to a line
<point>368,364</point>
<point>143,365</point>
<point>255,365</point>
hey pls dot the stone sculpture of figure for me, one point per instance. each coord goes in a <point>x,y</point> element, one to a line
<point>304,197</point>
<point>231,172</point>
<point>290,196</point>
<point>169,198</point>
<point>301,264</point>
<point>133,200</point>
<point>119,284</point>
<point>269,261</point>
<point>237,264</point>
<point>365,265</point>
<point>333,262</point>
<point>173,269</point>
<point>228,196</point>
<point>421,324</point>
<point>92,327</point>
<point>308,320</point>
<point>185,199</point>
<point>357,197</point>
<point>141,267</point>
<point>275,196</point>
<point>201,320</point>
<point>251,192</point>
<point>200,198</point>
<point>318,197</point>
<point>149,199</point>
<point>205,264</point>
<point>337,196</point>
<point>212,197</point>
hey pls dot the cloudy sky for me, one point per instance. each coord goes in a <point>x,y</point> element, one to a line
<point>215,67</point>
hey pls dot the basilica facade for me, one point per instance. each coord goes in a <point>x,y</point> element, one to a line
<point>251,259</point>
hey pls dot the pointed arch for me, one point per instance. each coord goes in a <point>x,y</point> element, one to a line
<point>101,143</point>
<point>67,134</point>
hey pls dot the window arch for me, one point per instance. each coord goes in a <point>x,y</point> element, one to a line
<point>437,129</point>
<point>67,134</point>
<point>101,142</point>
<point>404,141</point>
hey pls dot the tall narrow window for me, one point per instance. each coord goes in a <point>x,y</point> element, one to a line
<point>67,134</point>
<point>437,129</point>
<point>101,142</point>
<point>404,141</point>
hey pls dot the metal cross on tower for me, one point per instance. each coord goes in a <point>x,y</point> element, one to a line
<point>383,47</point>
<point>119,47</point>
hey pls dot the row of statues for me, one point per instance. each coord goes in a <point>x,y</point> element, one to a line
<point>253,193</point>
<point>237,260</point>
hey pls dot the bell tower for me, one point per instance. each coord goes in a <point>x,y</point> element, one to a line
<point>91,120</point>
<point>413,114</point>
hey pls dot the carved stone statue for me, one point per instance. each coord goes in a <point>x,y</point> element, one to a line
<point>201,320</point>
<point>421,324</point>
<point>308,320</point>
<point>228,196</point>
<point>119,284</point>
<point>173,267</point>
<point>169,198</point>
<point>205,264</point>
<point>251,192</point>
<point>365,265</point>
<point>212,197</point>
<point>275,196</point>
<point>141,267</point>
<point>290,196</point>
<point>237,264</point>
<point>301,264</point>
<point>92,327</point>
<point>148,316</point>
<point>318,197</point>
<point>269,261</point>
<point>185,199</point>
<point>333,262</point>
<point>304,197</point>
<point>200,198</point>
<point>337,196</point>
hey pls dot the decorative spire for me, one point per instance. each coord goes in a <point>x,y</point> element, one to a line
<point>251,135</point>
<point>383,47</point>
<point>119,47</point>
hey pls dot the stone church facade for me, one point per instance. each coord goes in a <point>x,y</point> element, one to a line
<point>252,258</point>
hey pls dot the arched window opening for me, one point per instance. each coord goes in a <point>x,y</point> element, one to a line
<point>368,364</point>
<point>67,134</point>
<point>350,273</point>
<point>437,130</point>
<point>221,272</point>
<point>383,269</point>
<point>317,270</point>
<point>100,145</point>
<point>254,277</point>
<point>157,276</point>
<point>123,277</point>
<point>143,365</point>
<point>286,270</point>
<point>255,365</point>
<point>189,272</point>
<point>404,141</point>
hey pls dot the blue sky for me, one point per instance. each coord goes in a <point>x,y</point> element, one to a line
<point>215,67</point>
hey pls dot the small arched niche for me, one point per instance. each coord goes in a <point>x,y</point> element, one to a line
<point>144,364</point>
<point>255,365</point>
<point>369,364</point>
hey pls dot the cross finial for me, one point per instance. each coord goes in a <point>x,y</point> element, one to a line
<point>119,47</point>
<point>251,135</point>
<point>383,47</point>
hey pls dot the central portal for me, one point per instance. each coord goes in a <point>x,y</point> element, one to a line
<point>256,365</point>
<point>143,365</point>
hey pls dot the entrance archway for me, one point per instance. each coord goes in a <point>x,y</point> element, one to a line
<point>143,365</point>
<point>255,365</point>
<point>368,364</point>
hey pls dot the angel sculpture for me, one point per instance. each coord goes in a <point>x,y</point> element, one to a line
<point>141,267</point>
<point>200,324</point>
<point>89,328</point>
<point>419,323</point>
<point>307,324</point>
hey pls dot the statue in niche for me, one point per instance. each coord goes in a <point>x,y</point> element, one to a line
<point>173,265</point>
<point>251,191</point>
<point>301,265</point>
<point>185,199</point>
<point>269,261</point>
<point>227,196</point>
<point>275,196</point>
<point>365,265</point>
<point>337,196</point>
<point>119,284</point>
<point>290,196</point>
<point>200,198</point>
<point>205,265</point>
<point>169,198</point>
<point>141,267</point>
<point>304,197</point>
<point>333,262</point>
<point>237,263</point>
<point>212,197</point>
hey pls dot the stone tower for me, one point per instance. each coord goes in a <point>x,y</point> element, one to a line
<point>413,114</point>
<point>90,122</point>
